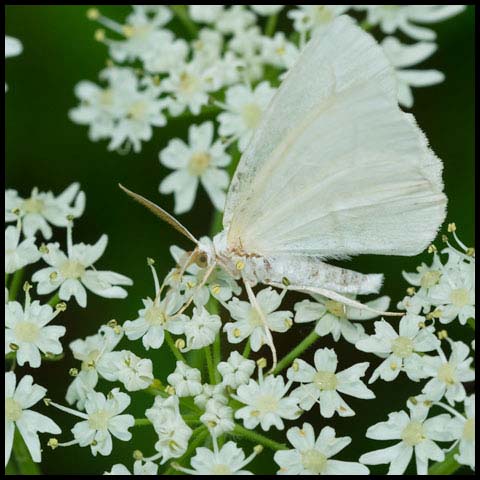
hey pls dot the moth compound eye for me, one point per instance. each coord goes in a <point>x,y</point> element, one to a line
<point>202,260</point>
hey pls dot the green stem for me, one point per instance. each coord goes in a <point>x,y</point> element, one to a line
<point>296,352</point>
<point>181,12</point>
<point>142,422</point>
<point>210,366</point>
<point>16,282</point>
<point>258,438</point>
<point>247,349</point>
<point>54,300</point>
<point>198,437</point>
<point>176,352</point>
<point>25,464</point>
<point>271,24</point>
<point>447,467</point>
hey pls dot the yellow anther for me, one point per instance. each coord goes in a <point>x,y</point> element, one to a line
<point>470,252</point>
<point>393,366</point>
<point>258,449</point>
<point>180,343</point>
<point>73,372</point>
<point>170,390</point>
<point>93,13</point>
<point>70,218</point>
<point>240,265</point>
<point>47,401</point>
<point>442,334</point>
<point>43,249</point>
<point>288,322</point>
<point>99,35</point>
<point>112,323</point>
<point>52,443</point>
<point>255,413</point>
<point>191,284</point>
<point>16,211</point>
<point>216,289</point>
<point>413,400</point>
<point>432,248</point>
<point>262,362</point>
<point>411,291</point>
<point>13,347</point>
<point>27,286</point>
<point>444,239</point>
<point>61,306</point>
<point>137,455</point>
<point>295,366</point>
<point>150,261</point>
<point>451,227</point>
<point>237,332</point>
<point>437,313</point>
<point>53,276</point>
<point>286,281</point>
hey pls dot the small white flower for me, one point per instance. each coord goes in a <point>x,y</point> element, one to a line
<point>13,47</point>
<point>19,254</point>
<point>123,112</point>
<point>335,318</point>
<point>463,428</point>
<point>236,371</point>
<point>249,322</point>
<point>186,380</point>
<point>205,13</point>
<point>247,46</point>
<point>207,47</point>
<point>18,400</point>
<point>134,372</point>
<point>27,328</point>
<point>266,10</point>
<point>404,18</point>
<point>214,393</point>
<point>201,329</point>
<point>157,317</point>
<point>91,352</point>
<point>74,271</point>
<point>43,209</point>
<point>404,56</point>
<point>173,433</point>
<point>200,161</point>
<point>235,19</point>
<point>449,375</point>
<point>311,456</point>
<point>266,403</point>
<point>218,418</point>
<point>400,350</point>
<point>278,51</point>
<point>308,18</point>
<point>417,435</point>
<point>321,384</point>
<point>143,32</point>
<point>244,108</point>
<point>455,295</point>
<point>228,460</point>
<point>139,468</point>
<point>189,85</point>
<point>102,420</point>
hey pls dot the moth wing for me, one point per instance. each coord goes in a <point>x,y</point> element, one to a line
<point>336,168</point>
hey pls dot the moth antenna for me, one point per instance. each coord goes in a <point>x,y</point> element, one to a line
<point>160,212</point>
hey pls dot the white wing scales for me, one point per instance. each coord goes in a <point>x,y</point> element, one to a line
<point>336,168</point>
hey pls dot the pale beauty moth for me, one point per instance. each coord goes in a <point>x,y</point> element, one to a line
<point>334,169</point>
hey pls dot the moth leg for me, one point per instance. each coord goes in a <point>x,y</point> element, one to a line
<point>204,281</point>
<point>253,301</point>
<point>335,296</point>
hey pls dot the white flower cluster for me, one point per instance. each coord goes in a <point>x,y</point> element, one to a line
<point>227,67</point>
<point>31,338</point>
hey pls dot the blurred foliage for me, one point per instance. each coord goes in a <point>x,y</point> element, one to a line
<point>45,149</point>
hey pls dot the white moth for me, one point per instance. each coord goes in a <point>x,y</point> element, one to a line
<point>334,169</point>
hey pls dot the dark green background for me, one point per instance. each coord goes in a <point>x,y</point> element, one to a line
<point>45,149</point>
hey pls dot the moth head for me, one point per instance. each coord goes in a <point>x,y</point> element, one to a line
<point>204,254</point>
